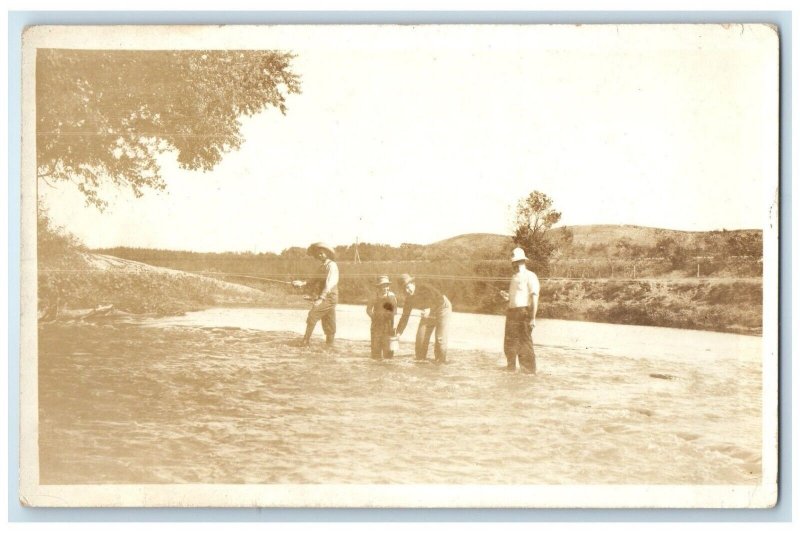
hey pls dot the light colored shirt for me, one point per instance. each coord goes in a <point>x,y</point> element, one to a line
<point>522,288</point>
<point>331,279</point>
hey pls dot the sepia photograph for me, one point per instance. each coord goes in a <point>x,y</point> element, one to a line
<point>508,266</point>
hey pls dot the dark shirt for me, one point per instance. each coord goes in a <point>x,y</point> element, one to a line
<point>425,297</point>
<point>383,308</point>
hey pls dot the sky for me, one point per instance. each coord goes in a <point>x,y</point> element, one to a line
<point>417,135</point>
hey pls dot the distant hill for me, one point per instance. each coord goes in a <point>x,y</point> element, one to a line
<point>470,244</point>
<point>591,241</point>
<point>586,236</point>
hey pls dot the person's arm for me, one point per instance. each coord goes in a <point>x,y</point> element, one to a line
<point>371,308</point>
<point>534,298</point>
<point>331,280</point>
<point>401,326</point>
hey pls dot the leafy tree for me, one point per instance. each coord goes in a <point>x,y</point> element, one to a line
<point>533,218</point>
<point>627,249</point>
<point>409,251</point>
<point>669,248</point>
<point>294,252</point>
<point>104,116</point>
<point>744,244</point>
<point>54,242</point>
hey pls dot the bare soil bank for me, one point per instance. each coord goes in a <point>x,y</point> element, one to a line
<point>728,305</point>
<point>85,282</point>
<point>90,280</point>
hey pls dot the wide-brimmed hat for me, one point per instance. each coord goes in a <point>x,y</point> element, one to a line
<point>321,246</point>
<point>405,279</point>
<point>383,280</point>
<point>518,254</point>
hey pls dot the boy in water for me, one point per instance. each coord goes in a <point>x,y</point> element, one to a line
<point>382,309</point>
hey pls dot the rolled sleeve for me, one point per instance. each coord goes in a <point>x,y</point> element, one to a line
<point>534,284</point>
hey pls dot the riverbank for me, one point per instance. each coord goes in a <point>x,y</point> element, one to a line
<point>86,283</point>
<point>725,305</point>
<point>716,304</point>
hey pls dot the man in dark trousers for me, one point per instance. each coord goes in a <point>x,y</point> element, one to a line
<point>324,305</point>
<point>436,310</point>
<point>523,302</point>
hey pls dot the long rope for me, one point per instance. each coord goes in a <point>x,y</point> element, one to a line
<point>249,276</point>
<point>355,276</point>
<point>237,275</point>
<point>442,277</point>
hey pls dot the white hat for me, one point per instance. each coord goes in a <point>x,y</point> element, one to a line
<point>518,254</point>
<point>328,249</point>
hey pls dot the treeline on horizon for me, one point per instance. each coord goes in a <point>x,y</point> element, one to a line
<point>674,247</point>
<point>470,274</point>
<point>601,288</point>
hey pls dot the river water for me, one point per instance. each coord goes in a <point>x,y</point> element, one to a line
<point>225,396</point>
<point>485,332</point>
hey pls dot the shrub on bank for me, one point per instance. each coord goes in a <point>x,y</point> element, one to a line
<point>133,292</point>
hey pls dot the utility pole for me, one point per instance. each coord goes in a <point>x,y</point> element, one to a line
<point>356,258</point>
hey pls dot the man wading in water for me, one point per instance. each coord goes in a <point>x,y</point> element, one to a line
<point>523,302</point>
<point>324,306</point>
<point>435,316</point>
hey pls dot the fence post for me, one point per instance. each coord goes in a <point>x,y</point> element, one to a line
<point>634,271</point>
<point>698,269</point>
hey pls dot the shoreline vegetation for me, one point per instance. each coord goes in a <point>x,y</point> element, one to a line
<point>84,284</point>
<point>76,283</point>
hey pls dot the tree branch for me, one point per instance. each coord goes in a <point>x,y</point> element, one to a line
<point>43,177</point>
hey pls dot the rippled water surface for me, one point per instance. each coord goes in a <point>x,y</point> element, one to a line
<point>225,396</point>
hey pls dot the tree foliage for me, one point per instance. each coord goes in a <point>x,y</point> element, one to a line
<point>54,242</point>
<point>104,116</point>
<point>533,218</point>
<point>627,249</point>
<point>673,250</point>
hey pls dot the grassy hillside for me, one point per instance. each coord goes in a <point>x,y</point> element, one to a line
<point>586,237</point>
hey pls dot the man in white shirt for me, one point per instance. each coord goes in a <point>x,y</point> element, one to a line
<point>324,306</point>
<point>523,302</point>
